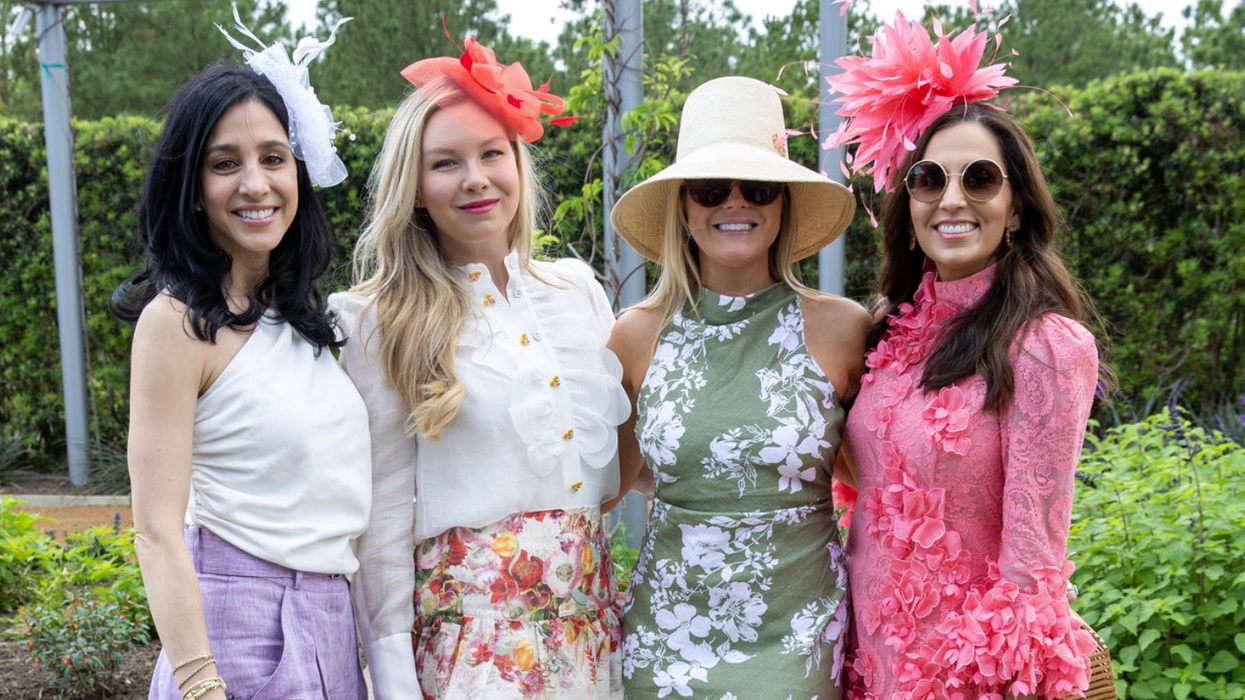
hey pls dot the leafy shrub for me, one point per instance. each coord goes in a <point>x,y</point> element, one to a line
<point>25,551</point>
<point>80,642</point>
<point>85,607</point>
<point>100,565</point>
<point>623,556</point>
<point>12,450</point>
<point>1157,535</point>
<point>1150,176</point>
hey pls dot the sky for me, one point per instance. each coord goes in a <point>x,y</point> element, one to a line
<point>543,19</point>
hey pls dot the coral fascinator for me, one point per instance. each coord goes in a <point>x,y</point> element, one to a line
<point>504,90</point>
<point>909,82</point>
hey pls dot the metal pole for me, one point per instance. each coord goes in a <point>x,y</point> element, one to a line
<point>63,197</point>
<point>624,90</point>
<point>833,46</point>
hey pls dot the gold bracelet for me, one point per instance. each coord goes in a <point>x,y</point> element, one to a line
<point>202,688</point>
<point>191,660</point>
<point>201,666</point>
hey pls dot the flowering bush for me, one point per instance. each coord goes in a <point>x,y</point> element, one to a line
<point>1158,537</point>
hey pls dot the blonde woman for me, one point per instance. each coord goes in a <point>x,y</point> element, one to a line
<point>494,406</point>
<point>740,376</point>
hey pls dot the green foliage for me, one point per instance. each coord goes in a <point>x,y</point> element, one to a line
<point>1157,538</point>
<point>12,450</point>
<point>81,643</point>
<point>130,57</point>
<point>363,68</point>
<point>1213,40</point>
<point>1150,176</point>
<point>25,552</point>
<point>624,557</point>
<point>83,602</point>
<point>1071,42</point>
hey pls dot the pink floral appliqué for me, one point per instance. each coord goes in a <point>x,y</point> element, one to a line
<point>947,416</point>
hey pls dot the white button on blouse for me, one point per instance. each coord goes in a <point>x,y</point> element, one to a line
<point>536,431</point>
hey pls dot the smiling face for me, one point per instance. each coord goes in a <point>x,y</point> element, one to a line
<point>734,238</point>
<point>469,181</point>
<point>959,235</point>
<point>249,189</point>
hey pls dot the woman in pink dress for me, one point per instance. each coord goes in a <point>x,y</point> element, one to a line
<point>968,428</point>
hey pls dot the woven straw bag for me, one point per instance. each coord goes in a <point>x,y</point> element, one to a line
<point>1101,676</point>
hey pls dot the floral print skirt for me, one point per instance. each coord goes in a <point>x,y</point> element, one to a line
<point>525,608</point>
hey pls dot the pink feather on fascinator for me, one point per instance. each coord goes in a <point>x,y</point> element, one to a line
<point>909,82</point>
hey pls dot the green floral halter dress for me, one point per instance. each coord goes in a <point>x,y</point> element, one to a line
<point>740,590</point>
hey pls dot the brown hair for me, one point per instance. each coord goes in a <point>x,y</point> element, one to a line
<point>1031,279</point>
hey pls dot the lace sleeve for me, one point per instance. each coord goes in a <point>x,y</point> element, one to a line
<point>383,586</point>
<point>1056,370</point>
<point>1017,635</point>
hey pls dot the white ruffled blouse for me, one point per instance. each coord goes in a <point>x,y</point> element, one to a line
<point>537,430</point>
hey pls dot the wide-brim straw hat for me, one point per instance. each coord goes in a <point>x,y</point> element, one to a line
<point>732,129</point>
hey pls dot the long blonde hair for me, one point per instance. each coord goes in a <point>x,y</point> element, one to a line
<point>679,282</point>
<point>420,300</point>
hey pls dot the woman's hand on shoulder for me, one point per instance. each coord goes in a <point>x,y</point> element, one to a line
<point>835,331</point>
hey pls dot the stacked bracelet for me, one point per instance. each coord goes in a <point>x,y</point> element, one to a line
<point>207,660</point>
<point>191,660</point>
<point>202,688</point>
<point>190,675</point>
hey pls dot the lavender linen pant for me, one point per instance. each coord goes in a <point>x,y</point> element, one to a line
<point>276,633</point>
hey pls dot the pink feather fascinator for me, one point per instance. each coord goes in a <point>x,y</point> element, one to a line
<point>909,82</point>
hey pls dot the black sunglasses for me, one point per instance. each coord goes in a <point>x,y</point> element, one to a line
<point>711,193</point>
<point>981,181</point>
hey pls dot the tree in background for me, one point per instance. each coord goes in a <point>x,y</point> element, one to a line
<point>1071,42</point>
<point>1212,40</point>
<point>128,57</point>
<point>363,68</point>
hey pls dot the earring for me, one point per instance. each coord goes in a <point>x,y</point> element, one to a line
<point>911,239</point>
<point>418,203</point>
<point>1011,228</point>
<point>198,206</point>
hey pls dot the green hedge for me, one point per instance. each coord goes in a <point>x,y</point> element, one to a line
<point>1150,173</point>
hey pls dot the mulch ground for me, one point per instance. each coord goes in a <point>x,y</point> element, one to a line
<point>25,681</point>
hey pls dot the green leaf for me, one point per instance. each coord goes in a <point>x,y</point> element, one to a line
<point>1184,652</point>
<point>1181,690</point>
<point>1239,639</point>
<point>1222,662</point>
<point>1148,638</point>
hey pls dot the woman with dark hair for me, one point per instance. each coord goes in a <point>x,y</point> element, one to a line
<point>967,431</point>
<point>248,448</point>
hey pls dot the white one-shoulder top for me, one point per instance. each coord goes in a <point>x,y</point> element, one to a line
<point>281,461</point>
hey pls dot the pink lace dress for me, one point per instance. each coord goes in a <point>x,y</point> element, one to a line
<point>956,551</point>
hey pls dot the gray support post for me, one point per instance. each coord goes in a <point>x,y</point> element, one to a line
<point>833,46</point>
<point>624,90</point>
<point>63,197</point>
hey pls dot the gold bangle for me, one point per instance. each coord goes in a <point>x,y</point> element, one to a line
<point>202,688</point>
<point>191,660</point>
<point>201,666</point>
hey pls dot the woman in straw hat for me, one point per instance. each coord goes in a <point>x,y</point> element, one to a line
<point>493,401</point>
<point>739,375</point>
<point>967,432</point>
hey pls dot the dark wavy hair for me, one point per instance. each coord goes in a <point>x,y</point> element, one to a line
<point>1031,279</point>
<point>184,261</point>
